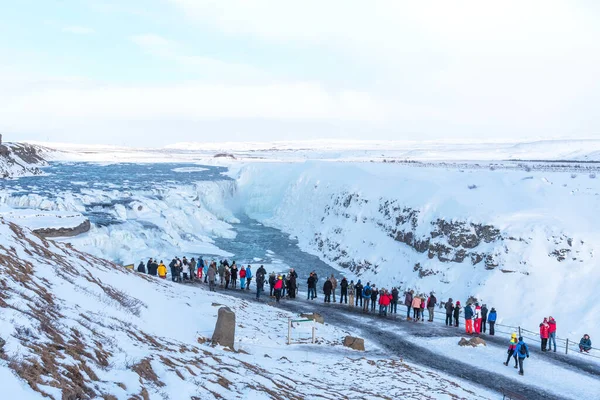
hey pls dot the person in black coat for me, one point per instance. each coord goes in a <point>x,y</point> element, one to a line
<point>311,283</point>
<point>456,313</point>
<point>141,268</point>
<point>327,289</point>
<point>174,271</point>
<point>234,275</point>
<point>344,290</point>
<point>153,268</point>
<point>449,311</point>
<point>374,293</point>
<point>293,285</point>
<point>394,302</point>
<point>260,280</point>
<point>484,315</point>
<point>358,289</point>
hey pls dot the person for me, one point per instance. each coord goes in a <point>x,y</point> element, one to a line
<point>512,348</point>
<point>272,279</point>
<point>449,311</point>
<point>366,295</point>
<point>162,270</point>
<point>234,275</point>
<point>423,302</point>
<point>173,266</point>
<point>261,273</point>
<point>293,284</point>
<point>484,316</point>
<point>278,287</point>
<point>416,305</point>
<point>394,301</point>
<point>469,319</point>
<point>311,284</point>
<point>431,302</point>
<point>148,265</point>
<point>384,301</point>
<point>492,316</point>
<point>358,289</point>
<point>184,268</point>
<point>243,278</point>
<point>344,291</point>
<point>192,269</point>
<point>351,291</point>
<point>200,269</point>
<point>552,333</point>
<point>544,333</point>
<point>221,271</point>
<point>227,277</point>
<point>408,300</point>
<point>205,272</point>
<point>477,318</point>
<point>141,268</point>
<point>327,289</point>
<point>154,267</point>
<point>248,277</point>
<point>212,275</point>
<point>374,294</point>
<point>334,284</point>
<point>522,351</point>
<point>456,313</point>
<point>285,285</point>
<point>585,344</point>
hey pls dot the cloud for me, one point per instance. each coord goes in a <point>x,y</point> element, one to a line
<point>78,30</point>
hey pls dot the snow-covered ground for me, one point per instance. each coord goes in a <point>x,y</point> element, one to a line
<point>82,327</point>
<point>40,219</point>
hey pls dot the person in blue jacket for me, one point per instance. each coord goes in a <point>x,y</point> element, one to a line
<point>522,351</point>
<point>248,277</point>
<point>492,316</point>
<point>366,294</point>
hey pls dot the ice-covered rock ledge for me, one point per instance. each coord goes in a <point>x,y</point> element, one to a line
<point>21,159</point>
<point>48,224</point>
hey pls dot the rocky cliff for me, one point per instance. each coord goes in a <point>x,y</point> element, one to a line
<point>21,159</point>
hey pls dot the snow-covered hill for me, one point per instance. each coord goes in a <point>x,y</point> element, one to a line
<point>20,159</point>
<point>522,241</point>
<point>79,327</point>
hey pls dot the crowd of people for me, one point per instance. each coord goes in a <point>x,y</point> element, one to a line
<point>478,318</point>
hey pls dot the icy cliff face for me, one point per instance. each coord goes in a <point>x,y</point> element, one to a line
<point>518,240</point>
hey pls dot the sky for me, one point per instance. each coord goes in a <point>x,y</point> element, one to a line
<point>156,72</point>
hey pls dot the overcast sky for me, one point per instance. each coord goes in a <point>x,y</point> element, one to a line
<point>154,72</point>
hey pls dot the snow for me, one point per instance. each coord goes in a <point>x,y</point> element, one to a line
<point>548,212</point>
<point>189,169</point>
<point>34,219</point>
<point>538,372</point>
<point>82,309</point>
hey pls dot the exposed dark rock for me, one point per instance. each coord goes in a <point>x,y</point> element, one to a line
<point>224,334</point>
<point>64,232</point>
<point>315,317</point>
<point>354,343</point>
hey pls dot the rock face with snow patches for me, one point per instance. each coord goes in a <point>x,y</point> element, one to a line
<point>20,159</point>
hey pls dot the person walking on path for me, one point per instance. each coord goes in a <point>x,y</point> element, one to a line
<point>351,291</point>
<point>358,291</point>
<point>522,351</point>
<point>260,281</point>
<point>456,313</point>
<point>366,296</point>
<point>416,305</point>
<point>484,315</point>
<point>408,300</point>
<point>344,291</point>
<point>278,287</point>
<point>492,316</point>
<point>552,333</point>
<point>327,289</point>
<point>544,333</point>
<point>248,277</point>
<point>585,344</point>
<point>512,350</point>
<point>394,301</point>
<point>431,302</point>
<point>469,319</point>
<point>449,310</point>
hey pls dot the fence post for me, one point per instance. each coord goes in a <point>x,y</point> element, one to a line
<point>567,347</point>
<point>520,332</point>
<point>289,331</point>
<point>313,332</point>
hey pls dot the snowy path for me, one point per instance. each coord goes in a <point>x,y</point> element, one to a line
<point>405,346</point>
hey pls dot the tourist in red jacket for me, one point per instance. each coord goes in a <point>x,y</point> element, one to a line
<point>552,332</point>
<point>544,333</point>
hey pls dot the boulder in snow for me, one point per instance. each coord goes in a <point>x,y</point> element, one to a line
<point>473,342</point>
<point>224,334</point>
<point>354,343</point>
<point>315,317</point>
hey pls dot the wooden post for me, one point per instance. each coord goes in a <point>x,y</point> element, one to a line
<point>313,332</point>
<point>289,331</point>
<point>519,331</point>
<point>567,347</point>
